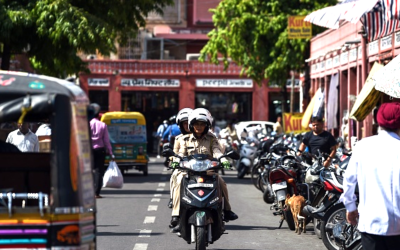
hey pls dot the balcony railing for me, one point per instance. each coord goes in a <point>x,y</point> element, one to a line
<point>178,67</point>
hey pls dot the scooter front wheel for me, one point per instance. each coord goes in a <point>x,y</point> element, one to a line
<point>201,238</point>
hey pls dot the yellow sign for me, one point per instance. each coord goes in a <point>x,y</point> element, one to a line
<point>298,28</point>
<point>292,123</point>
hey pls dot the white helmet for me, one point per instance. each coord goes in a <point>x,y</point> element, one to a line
<point>200,114</point>
<point>183,115</point>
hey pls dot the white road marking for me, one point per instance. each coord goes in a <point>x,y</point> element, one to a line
<point>165,169</point>
<point>166,173</point>
<point>152,208</point>
<point>140,246</point>
<point>160,189</point>
<point>155,200</point>
<point>161,184</point>
<point>163,178</point>
<point>144,233</point>
<point>149,219</point>
<point>157,195</point>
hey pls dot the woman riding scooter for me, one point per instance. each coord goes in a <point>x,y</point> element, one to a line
<point>200,142</point>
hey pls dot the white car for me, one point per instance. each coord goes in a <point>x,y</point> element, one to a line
<point>265,127</point>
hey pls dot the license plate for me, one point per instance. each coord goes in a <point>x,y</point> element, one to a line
<point>279,186</point>
<point>206,185</point>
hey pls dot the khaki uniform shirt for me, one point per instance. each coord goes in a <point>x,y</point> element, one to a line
<point>208,144</point>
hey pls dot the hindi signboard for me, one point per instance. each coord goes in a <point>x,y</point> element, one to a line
<point>298,28</point>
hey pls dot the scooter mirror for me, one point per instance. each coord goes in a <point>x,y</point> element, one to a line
<point>233,155</point>
<point>168,152</point>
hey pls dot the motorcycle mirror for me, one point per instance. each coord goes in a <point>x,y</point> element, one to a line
<point>168,152</point>
<point>233,155</point>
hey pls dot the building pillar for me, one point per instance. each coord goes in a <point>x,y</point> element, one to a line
<point>260,102</point>
<point>114,93</point>
<point>187,98</point>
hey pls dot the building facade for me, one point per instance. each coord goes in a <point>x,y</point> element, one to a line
<point>345,52</point>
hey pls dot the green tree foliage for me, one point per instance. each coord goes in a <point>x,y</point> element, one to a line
<point>253,33</point>
<point>53,31</point>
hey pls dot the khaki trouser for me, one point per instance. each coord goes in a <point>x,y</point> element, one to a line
<point>176,193</point>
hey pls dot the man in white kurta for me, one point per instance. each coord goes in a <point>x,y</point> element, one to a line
<point>375,166</point>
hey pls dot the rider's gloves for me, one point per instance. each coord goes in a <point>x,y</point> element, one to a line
<point>226,164</point>
<point>174,164</point>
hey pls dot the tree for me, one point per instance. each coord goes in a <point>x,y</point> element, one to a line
<point>51,32</point>
<point>253,33</point>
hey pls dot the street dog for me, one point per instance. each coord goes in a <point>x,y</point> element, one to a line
<point>296,204</point>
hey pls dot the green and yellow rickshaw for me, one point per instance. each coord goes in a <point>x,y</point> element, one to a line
<point>46,197</point>
<point>127,131</point>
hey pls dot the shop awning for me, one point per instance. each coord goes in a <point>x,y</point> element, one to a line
<point>387,80</point>
<point>367,98</point>
<point>348,10</point>
<point>307,114</point>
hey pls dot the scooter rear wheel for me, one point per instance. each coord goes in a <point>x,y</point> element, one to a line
<point>241,171</point>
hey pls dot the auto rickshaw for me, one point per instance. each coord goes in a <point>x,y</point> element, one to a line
<point>47,197</point>
<point>127,132</point>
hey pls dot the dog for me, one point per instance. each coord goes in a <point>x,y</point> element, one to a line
<point>296,204</point>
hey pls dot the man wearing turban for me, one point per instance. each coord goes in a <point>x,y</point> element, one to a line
<point>375,166</point>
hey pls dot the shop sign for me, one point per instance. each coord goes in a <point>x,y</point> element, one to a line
<point>386,42</point>
<point>344,57</point>
<point>336,61</point>
<point>397,39</point>
<point>224,83</point>
<point>298,28</point>
<point>328,63</point>
<point>292,123</point>
<point>353,55</point>
<point>373,47</point>
<point>150,82</point>
<point>101,82</point>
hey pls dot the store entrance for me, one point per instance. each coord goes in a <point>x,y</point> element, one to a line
<point>226,107</point>
<point>155,106</point>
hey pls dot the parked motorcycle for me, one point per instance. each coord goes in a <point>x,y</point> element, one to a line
<point>248,153</point>
<point>201,212</point>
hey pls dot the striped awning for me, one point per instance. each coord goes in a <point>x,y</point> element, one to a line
<point>347,10</point>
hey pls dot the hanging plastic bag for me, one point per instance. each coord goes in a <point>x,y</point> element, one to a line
<point>113,177</point>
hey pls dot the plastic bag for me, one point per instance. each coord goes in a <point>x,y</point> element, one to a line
<point>113,177</point>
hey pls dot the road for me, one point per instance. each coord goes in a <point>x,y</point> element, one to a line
<point>136,217</point>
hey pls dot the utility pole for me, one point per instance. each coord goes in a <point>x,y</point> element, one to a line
<point>292,92</point>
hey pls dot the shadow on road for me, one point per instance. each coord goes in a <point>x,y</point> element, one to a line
<point>120,191</point>
<point>132,177</point>
<point>244,227</point>
<point>123,234</point>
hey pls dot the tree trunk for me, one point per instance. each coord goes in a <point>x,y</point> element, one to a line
<point>307,79</point>
<point>6,57</point>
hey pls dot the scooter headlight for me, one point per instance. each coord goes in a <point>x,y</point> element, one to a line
<point>199,166</point>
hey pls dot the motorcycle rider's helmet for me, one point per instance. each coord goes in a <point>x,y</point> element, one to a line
<point>172,119</point>
<point>203,115</point>
<point>183,115</point>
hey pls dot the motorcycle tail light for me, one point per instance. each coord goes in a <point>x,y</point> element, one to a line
<point>200,180</point>
<point>291,181</point>
<point>327,186</point>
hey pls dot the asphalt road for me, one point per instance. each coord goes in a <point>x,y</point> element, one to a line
<point>136,217</point>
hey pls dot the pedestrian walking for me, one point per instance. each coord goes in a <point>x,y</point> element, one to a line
<point>375,167</point>
<point>101,147</point>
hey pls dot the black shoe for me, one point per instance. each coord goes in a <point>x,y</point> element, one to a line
<point>229,215</point>
<point>170,203</point>
<point>176,229</point>
<point>174,221</point>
